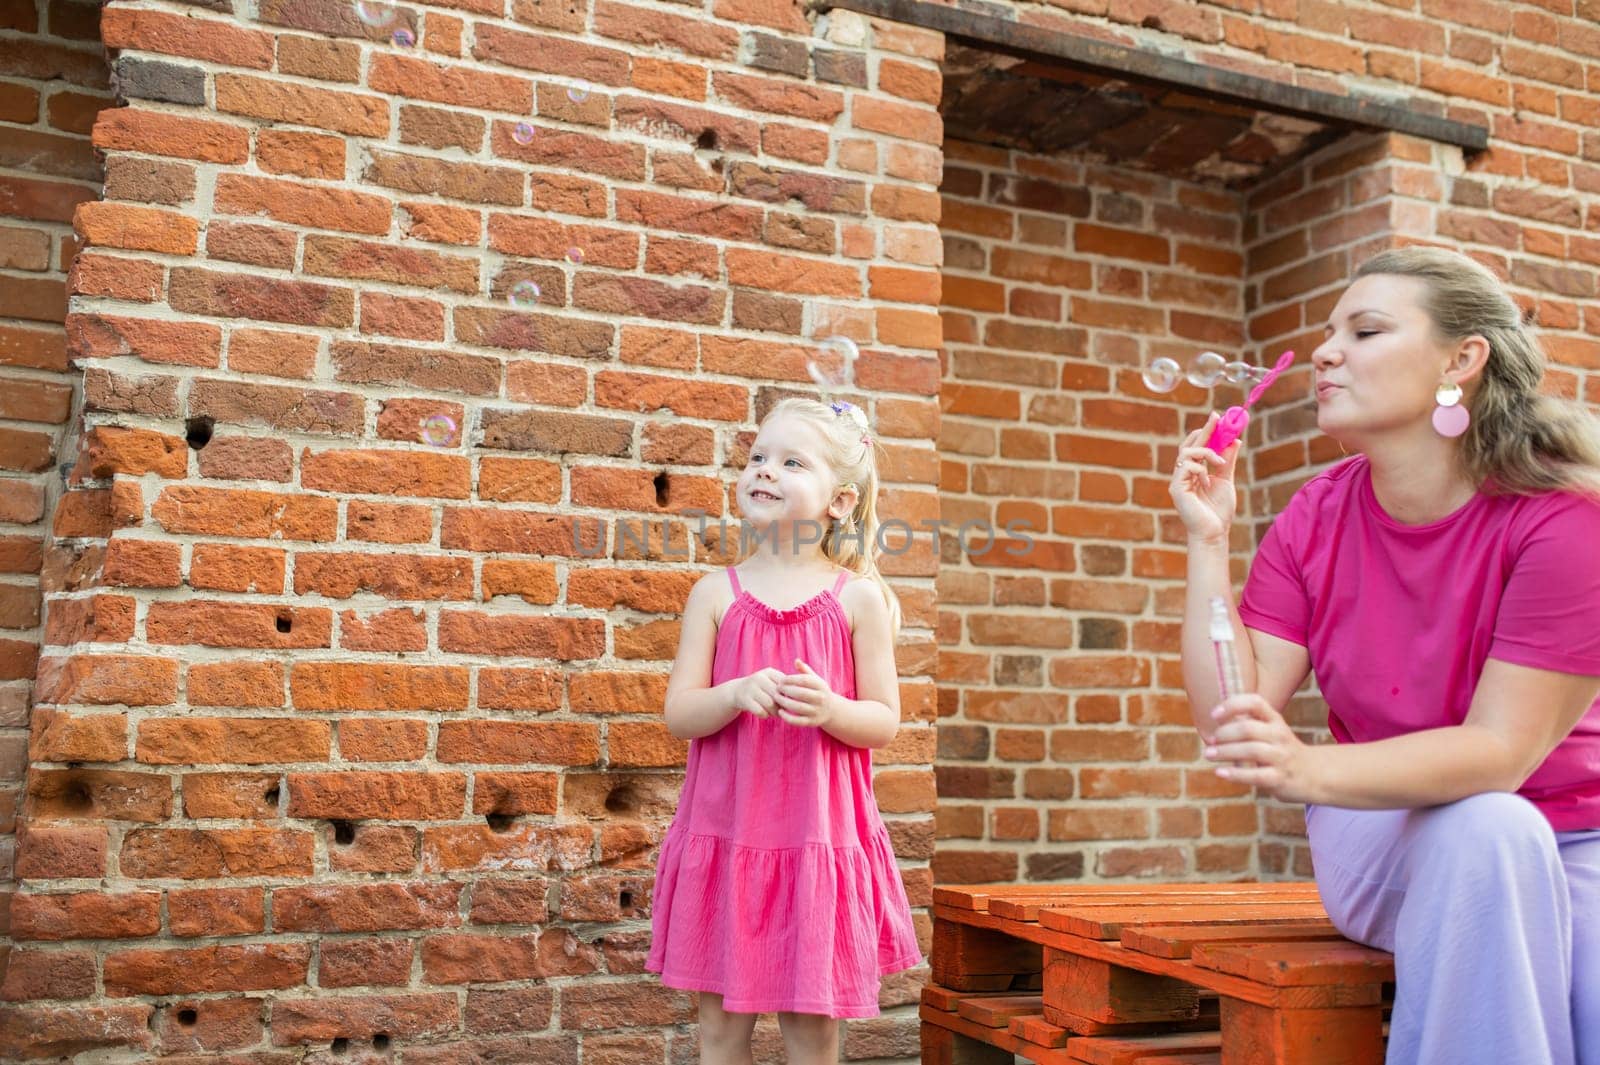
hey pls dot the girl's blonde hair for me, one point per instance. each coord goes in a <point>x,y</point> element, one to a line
<point>1519,442</point>
<point>851,453</point>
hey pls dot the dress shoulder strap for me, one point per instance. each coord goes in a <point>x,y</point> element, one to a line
<point>733,579</point>
<point>838,585</point>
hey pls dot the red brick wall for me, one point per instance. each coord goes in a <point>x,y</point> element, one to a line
<point>53,79</point>
<point>338,736</point>
<point>340,741</point>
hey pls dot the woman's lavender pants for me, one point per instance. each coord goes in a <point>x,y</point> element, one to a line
<point>1493,918</point>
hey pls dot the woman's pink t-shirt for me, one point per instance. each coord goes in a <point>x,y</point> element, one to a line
<point>1398,619</point>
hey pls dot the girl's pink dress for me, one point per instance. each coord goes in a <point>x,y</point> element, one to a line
<point>776,886</point>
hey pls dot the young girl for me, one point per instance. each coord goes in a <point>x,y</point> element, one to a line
<point>777,889</point>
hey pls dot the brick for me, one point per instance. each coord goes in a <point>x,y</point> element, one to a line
<point>216,911</point>
<point>235,683</point>
<point>567,639</point>
<point>362,261</point>
<point>47,852</point>
<point>163,133</point>
<point>85,915</point>
<point>561,846</point>
<point>102,680</point>
<point>358,962</point>
<point>372,794</point>
<point>382,740</point>
<point>654,27</point>
<point>462,958</point>
<point>342,112</point>
<point>519,689</point>
<point>110,450</point>
<point>377,686</point>
<point>472,183</point>
<point>176,35</point>
<point>220,968</point>
<point>387,473</point>
<point>75,1029</point>
<point>366,907</point>
<point>342,575</point>
<point>120,225</point>
<point>96,619</point>
<point>252,795</point>
<point>517,742</point>
<point>192,854</point>
<point>192,740</point>
<point>303,205</point>
<point>310,155</point>
<point>223,567</point>
<point>92,794</point>
<point>226,624</point>
<point>243,512</point>
<point>265,299</point>
<point>361,1016</point>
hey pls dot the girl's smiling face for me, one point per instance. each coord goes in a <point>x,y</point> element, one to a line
<point>786,478</point>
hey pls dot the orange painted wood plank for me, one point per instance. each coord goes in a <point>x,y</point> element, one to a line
<point>1038,1031</point>
<point>977,896</point>
<point>996,1011</point>
<point>1107,922</point>
<point>1211,979</point>
<point>1299,964</point>
<point>1027,908</point>
<point>1179,940</point>
<point>996,1037</point>
<point>1125,1050</point>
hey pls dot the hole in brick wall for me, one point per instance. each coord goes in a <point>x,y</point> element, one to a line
<point>380,1042</point>
<point>662,485</point>
<point>271,796</point>
<point>622,799</point>
<point>340,1045</point>
<point>285,622</point>
<point>77,798</point>
<point>706,140</point>
<point>344,833</point>
<point>187,1016</point>
<point>198,431</point>
<point>499,822</point>
<point>625,899</point>
<point>1151,22</point>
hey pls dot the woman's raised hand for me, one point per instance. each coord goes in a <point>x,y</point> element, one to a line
<point>1202,485</point>
<point>757,694</point>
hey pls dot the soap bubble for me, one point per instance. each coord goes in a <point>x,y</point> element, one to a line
<point>575,255</point>
<point>1259,373</point>
<point>834,364</point>
<point>1206,369</point>
<point>404,37</point>
<point>1236,373</point>
<point>525,293</point>
<point>578,93</point>
<point>522,133</point>
<point>374,14</point>
<point>1162,375</point>
<point>438,430</point>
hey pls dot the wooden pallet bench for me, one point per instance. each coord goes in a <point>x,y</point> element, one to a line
<point>1179,974</point>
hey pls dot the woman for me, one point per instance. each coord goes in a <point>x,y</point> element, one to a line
<point>1444,584</point>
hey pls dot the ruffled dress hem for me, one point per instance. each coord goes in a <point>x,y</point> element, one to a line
<point>838,1010</point>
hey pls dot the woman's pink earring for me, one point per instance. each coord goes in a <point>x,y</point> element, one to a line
<point>1450,417</point>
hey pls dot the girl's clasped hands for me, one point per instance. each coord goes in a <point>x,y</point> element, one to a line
<point>800,698</point>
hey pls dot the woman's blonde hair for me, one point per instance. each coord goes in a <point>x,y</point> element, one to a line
<point>1520,442</point>
<point>851,453</point>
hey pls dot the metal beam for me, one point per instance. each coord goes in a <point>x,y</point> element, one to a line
<point>1087,53</point>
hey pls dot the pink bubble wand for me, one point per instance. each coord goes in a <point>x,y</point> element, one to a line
<point>1232,424</point>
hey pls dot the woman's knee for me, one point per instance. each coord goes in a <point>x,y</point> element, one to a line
<point>1490,823</point>
<point>810,1030</point>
